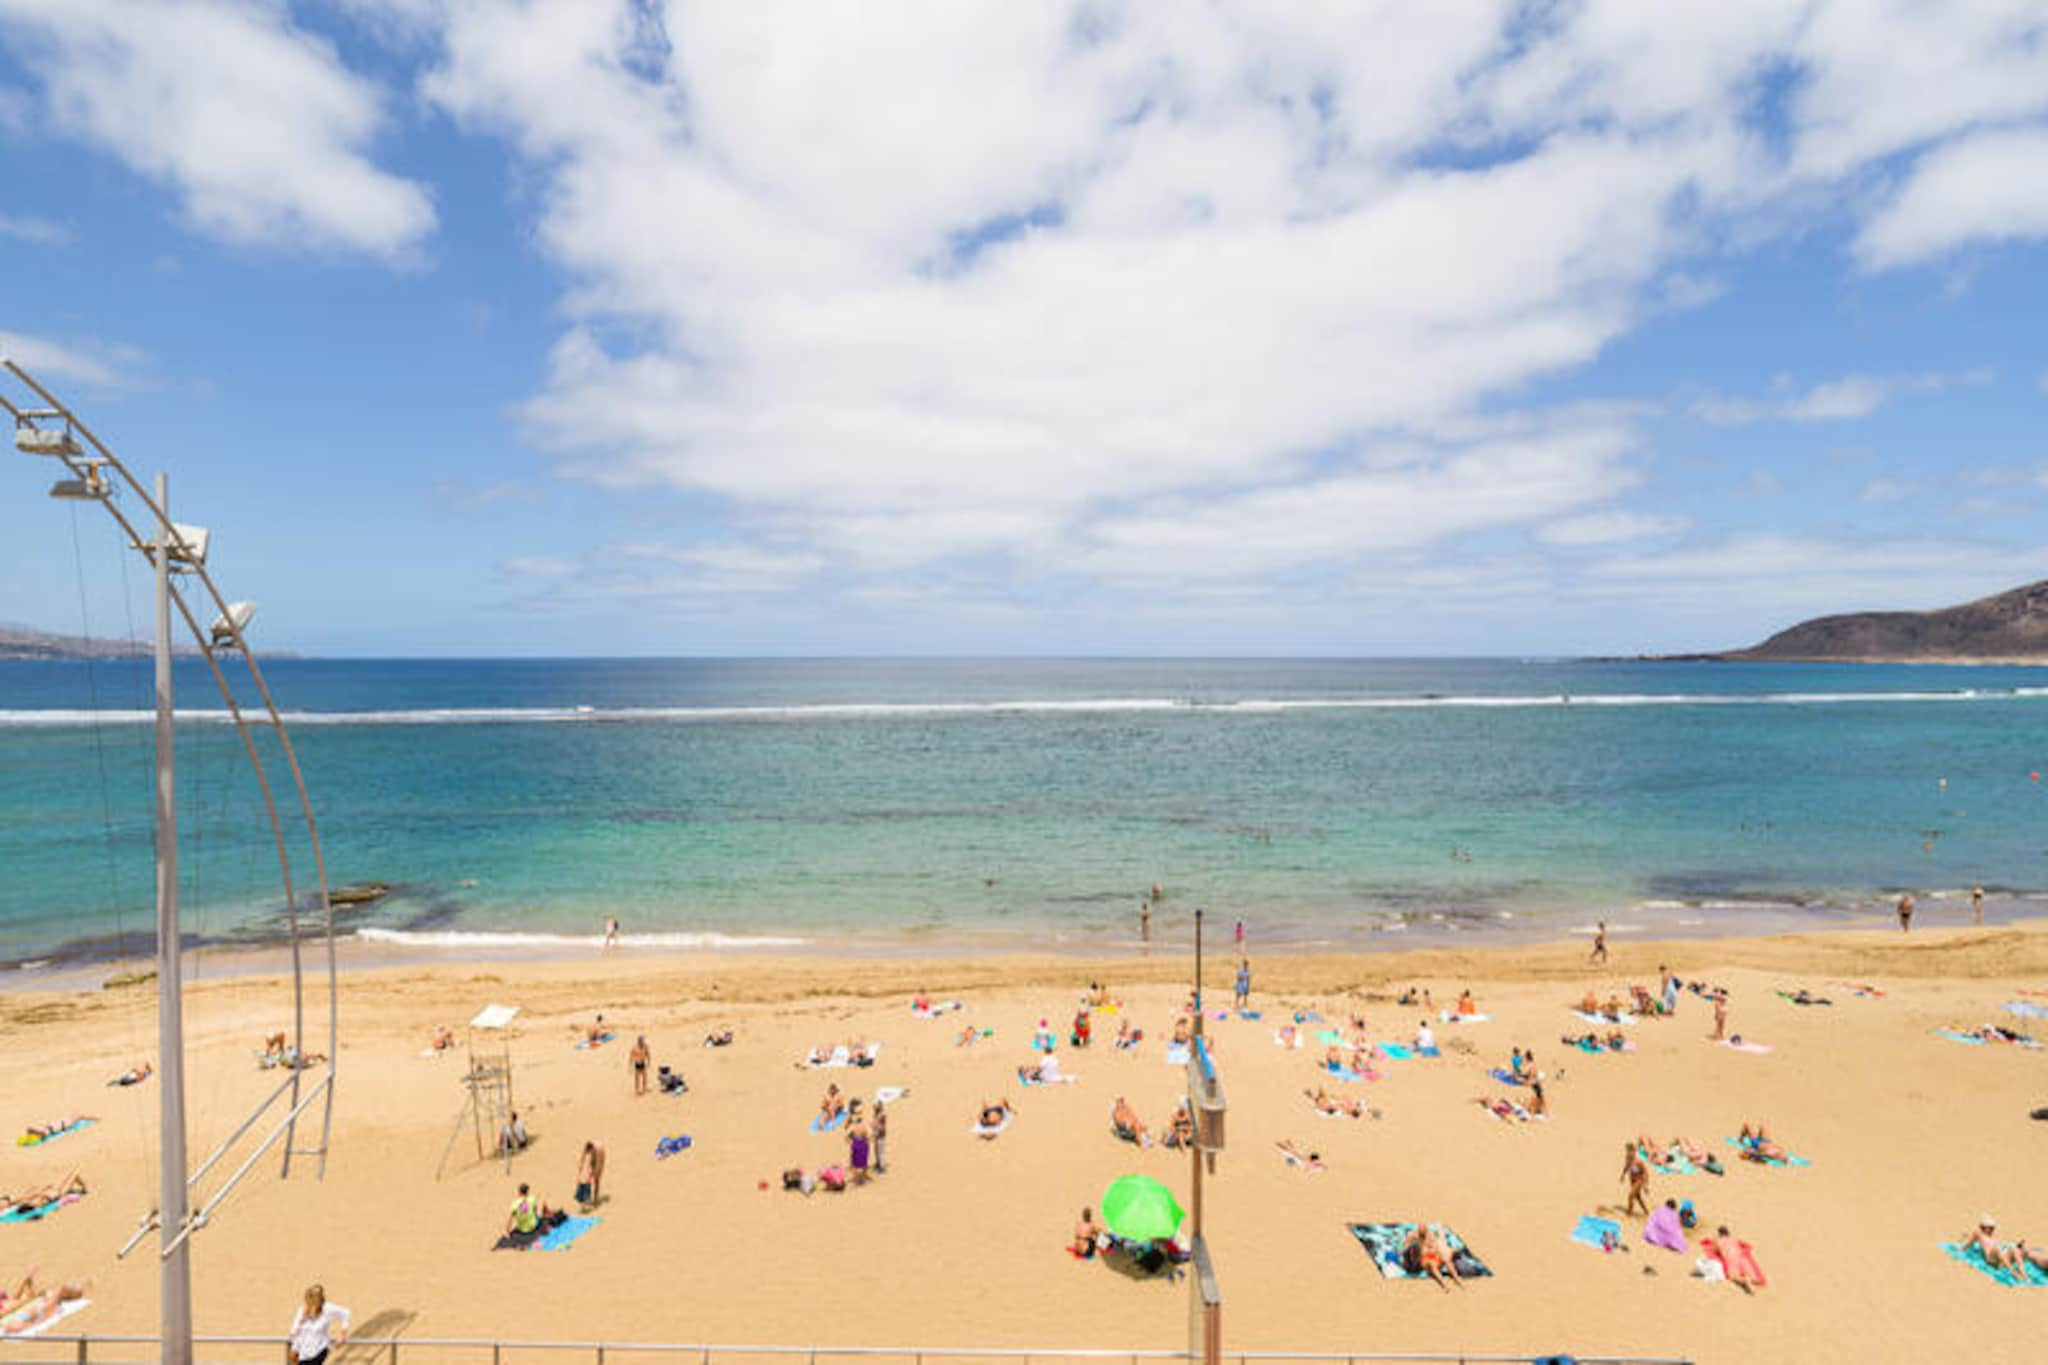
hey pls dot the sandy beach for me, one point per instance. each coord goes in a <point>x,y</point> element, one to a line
<point>962,1242</point>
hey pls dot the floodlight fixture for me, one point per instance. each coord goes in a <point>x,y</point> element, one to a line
<point>188,547</point>
<point>232,622</point>
<point>56,441</point>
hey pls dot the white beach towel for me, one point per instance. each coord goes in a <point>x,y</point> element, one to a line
<point>1603,1019</point>
<point>841,1056</point>
<point>982,1130</point>
<point>64,1310</point>
<point>1453,1017</point>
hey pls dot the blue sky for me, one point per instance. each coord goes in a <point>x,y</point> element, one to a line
<point>620,327</point>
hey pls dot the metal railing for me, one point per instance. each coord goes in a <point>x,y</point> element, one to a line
<point>88,1349</point>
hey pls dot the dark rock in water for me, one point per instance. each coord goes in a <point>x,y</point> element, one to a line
<point>2011,627</point>
<point>359,895</point>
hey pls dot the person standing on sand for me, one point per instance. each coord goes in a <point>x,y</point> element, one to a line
<point>1145,920</point>
<point>611,931</point>
<point>1720,1015</point>
<point>1537,1103</point>
<point>1244,981</point>
<point>639,1058</point>
<point>881,1133</point>
<point>1977,904</point>
<point>317,1328</point>
<point>590,1175</point>
<point>1636,1172</point>
<point>1600,942</point>
<point>1906,912</point>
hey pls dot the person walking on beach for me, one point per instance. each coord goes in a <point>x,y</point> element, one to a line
<point>590,1175</point>
<point>317,1328</point>
<point>1636,1172</point>
<point>611,931</point>
<point>1720,1015</point>
<point>1244,981</point>
<point>1906,912</point>
<point>1600,942</point>
<point>640,1057</point>
<point>1977,904</point>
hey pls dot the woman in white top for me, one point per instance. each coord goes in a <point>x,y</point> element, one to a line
<point>317,1328</point>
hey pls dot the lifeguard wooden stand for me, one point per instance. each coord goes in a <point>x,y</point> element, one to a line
<point>487,1104</point>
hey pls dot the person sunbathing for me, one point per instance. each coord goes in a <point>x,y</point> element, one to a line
<point>1614,1009</point>
<point>1098,995</point>
<point>442,1040</point>
<point>993,1112</point>
<point>1334,1058</point>
<point>1467,1007</point>
<point>967,1036</point>
<point>2035,1256</point>
<point>1425,1247</point>
<point>861,1053</point>
<point>30,1307</point>
<point>134,1075</point>
<point>1757,1145</point>
<point>594,1034</point>
<point>1045,1072</point>
<point>1803,996</point>
<point>1503,1109</point>
<point>1998,1255</point>
<point>1693,1152</point>
<point>1327,1103</point>
<point>42,1132</point>
<point>1615,1041</point>
<point>722,1038</point>
<point>832,1105</point>
<point>1738,1267</point>
<point>1183,1034</point>
<point>1305,1158</point>
<point>1088,1235</point>
<point>923,1003</point>
<point>44,1196</point>
<point>1126,1036</point>
<point>1125,1123</point>
<point>1589,1003</point>
<point>1180,1133</point>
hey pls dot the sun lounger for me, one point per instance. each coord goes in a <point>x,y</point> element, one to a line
<point>1383,1242</point>
<point>1967,1254</point>
<point>37,1140</point>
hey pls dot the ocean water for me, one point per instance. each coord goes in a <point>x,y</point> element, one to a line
<point>1032,802</point>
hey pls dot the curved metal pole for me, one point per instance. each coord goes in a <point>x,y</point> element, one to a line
<point>167,535</point>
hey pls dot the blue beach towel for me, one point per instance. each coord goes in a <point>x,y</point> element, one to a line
<point>1308,1017</point>
<point>1770,1161</point>
<point>1679,1163</point>
<point>1972,1039</point>
<point>1969,1255</point>
<point>1177,1056</point>
<point>1505,1076</point>
<point>1329,1037</point>
<point>1250,1014</point>
<point>26,1141</point>
<point>818,1124</point>
<point>2027,1009</point>
<point>599,1041</point>
<point>1595,1232</point>
<point>669,1146</point>
<point>1342,1073</point>
<point>1397,1052</point>
<point>561,1236</point>
<point>35,1214</point>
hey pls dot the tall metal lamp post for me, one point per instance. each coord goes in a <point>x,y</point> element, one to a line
<point>46,428</point>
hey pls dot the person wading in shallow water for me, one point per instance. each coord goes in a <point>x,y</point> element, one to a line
<point>1600,942</point>
<point>1906,912</point>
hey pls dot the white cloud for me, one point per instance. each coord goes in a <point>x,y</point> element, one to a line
<point>88,362</point>
<point>257,125</point>
<point>1837,400</point>
<point>1608,528</point>
<point>1102,288</point>
<point>1885,490</point>
<point>39,231</point>
<point>537,566</point>
<point>1991,186</point>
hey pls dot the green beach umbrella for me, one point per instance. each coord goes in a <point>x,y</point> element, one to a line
<point>1139,1208</point>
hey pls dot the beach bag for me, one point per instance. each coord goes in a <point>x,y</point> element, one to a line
<point>1411,1259</point>
<point>1686,1217</point>
<point>583,1191</point>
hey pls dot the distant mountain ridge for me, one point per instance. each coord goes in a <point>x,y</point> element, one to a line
<point>26,642</point>
<point>2010,627</point>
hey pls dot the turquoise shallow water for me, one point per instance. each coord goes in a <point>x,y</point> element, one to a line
<point>931,801</point>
